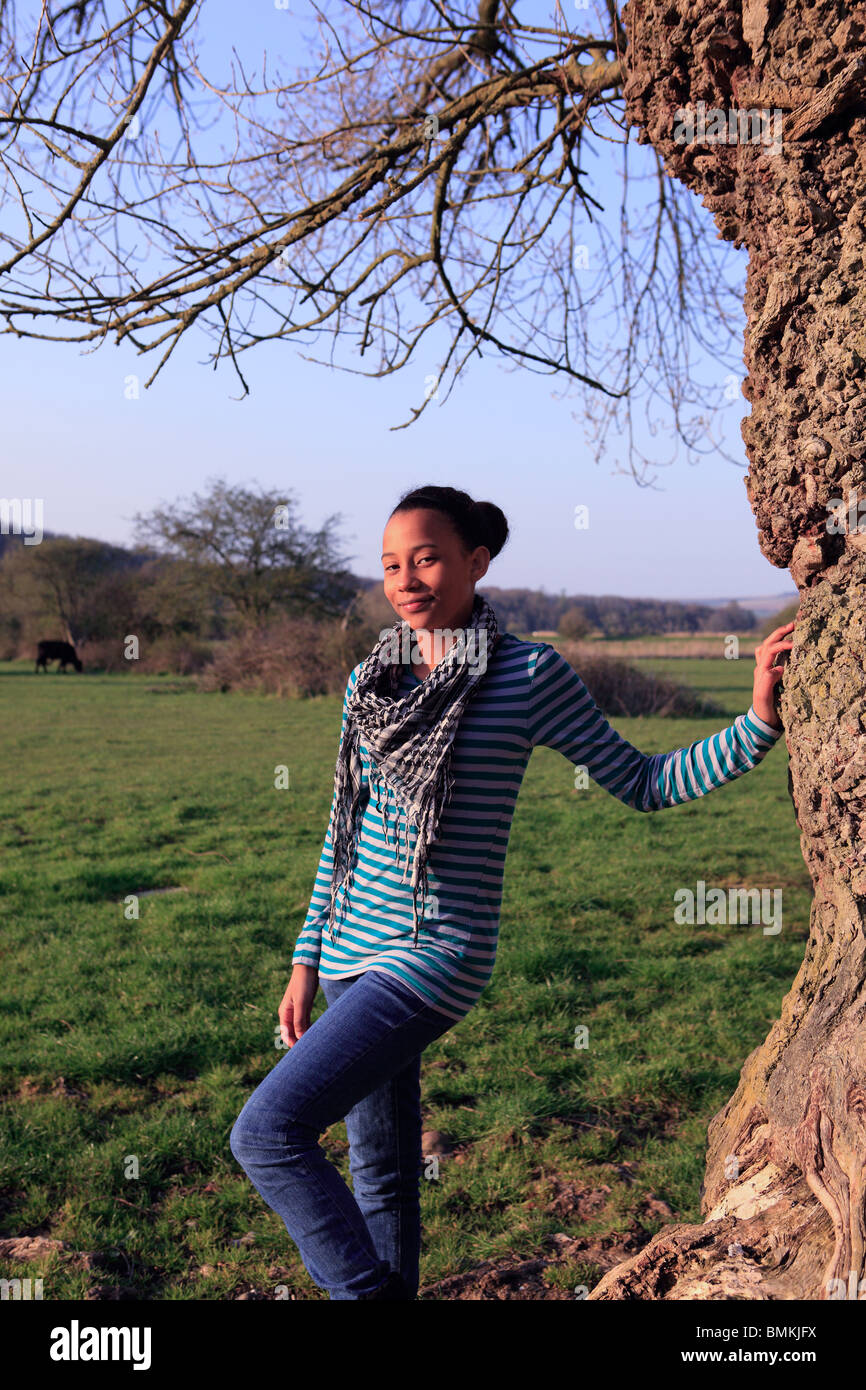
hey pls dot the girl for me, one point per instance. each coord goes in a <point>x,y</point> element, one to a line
<point>438,725</point>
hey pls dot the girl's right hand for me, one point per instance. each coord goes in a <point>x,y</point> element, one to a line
<point>297,1002</point>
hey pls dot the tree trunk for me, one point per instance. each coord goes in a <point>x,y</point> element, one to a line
<point>783,1193</point>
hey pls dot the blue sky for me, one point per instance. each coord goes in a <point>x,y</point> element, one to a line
<point>72,438</point>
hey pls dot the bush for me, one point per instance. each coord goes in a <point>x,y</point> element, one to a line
<point>171,656</point>
<point>174,656</point>
<point>293,656</point>
<point>620,689</point>
<point>105,655</point>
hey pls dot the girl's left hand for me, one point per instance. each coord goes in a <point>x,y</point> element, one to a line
<point>767,675</point>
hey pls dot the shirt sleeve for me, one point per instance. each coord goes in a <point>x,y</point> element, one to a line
<point>563,715</point>
<point>309,943</point>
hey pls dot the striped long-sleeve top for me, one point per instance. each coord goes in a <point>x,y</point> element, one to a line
<point>529,695</point>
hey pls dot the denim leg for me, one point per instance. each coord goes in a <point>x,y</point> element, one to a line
<point>373,1031</point>
<point>384,1132</point>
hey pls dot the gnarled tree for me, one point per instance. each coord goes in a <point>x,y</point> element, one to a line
<point>785,1187</point>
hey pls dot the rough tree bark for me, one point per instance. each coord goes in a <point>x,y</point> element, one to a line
<point>783,1193</point>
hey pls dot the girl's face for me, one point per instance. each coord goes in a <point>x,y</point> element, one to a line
<point>427,567</point>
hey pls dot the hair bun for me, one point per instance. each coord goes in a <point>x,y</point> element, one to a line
<point>492,525</point>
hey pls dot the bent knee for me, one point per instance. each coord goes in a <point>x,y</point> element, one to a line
<point>239,1141</point>
<point>258,1137</point>
<point>253,1129</point>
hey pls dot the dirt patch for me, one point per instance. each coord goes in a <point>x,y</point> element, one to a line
<point>527,1280</point>
<point>25,1249</point>
<point>537,1277</point>
<point>29,1247</point>
<point>31,1088</point>
<point>571,1202</point>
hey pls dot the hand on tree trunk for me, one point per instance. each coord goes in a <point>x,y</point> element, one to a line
<point>767,675</point>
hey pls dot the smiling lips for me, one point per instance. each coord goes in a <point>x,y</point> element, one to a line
<point>412,604</point>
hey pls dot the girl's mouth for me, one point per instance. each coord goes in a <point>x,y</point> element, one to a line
<point>415,604</point>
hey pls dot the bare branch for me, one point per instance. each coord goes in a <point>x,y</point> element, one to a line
<point>426,173</point>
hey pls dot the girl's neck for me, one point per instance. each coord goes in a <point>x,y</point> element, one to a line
<point>434,643</point>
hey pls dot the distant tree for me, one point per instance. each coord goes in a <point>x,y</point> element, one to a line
<point>730,618</point>
<point>250,549</point>
<point>689,619</point>
<point>573,624</point>
<point>74,587</point>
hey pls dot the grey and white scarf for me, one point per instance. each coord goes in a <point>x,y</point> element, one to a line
<point>408,743</point>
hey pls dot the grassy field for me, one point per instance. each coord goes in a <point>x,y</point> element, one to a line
<point>131,1042</point>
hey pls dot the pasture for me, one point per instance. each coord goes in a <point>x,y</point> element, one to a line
<point>129,1046</point>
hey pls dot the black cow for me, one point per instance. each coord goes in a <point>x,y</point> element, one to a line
<point>64,652</point>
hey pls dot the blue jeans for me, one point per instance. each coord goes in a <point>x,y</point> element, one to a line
<point>360,1060</point>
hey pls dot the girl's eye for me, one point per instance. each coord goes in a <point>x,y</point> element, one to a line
<point>431,558</point>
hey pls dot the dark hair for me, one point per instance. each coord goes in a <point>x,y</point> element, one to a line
<point>476,523</point>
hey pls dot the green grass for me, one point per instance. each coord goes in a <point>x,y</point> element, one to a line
<point>161,1027</point>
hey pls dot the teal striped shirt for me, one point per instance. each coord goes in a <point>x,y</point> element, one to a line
<point>529,695</point>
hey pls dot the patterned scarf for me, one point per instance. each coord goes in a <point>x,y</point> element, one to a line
<point>408,743</point>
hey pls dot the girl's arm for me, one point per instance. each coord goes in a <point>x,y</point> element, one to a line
<point>309,943</point>
<point>563,715</point>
